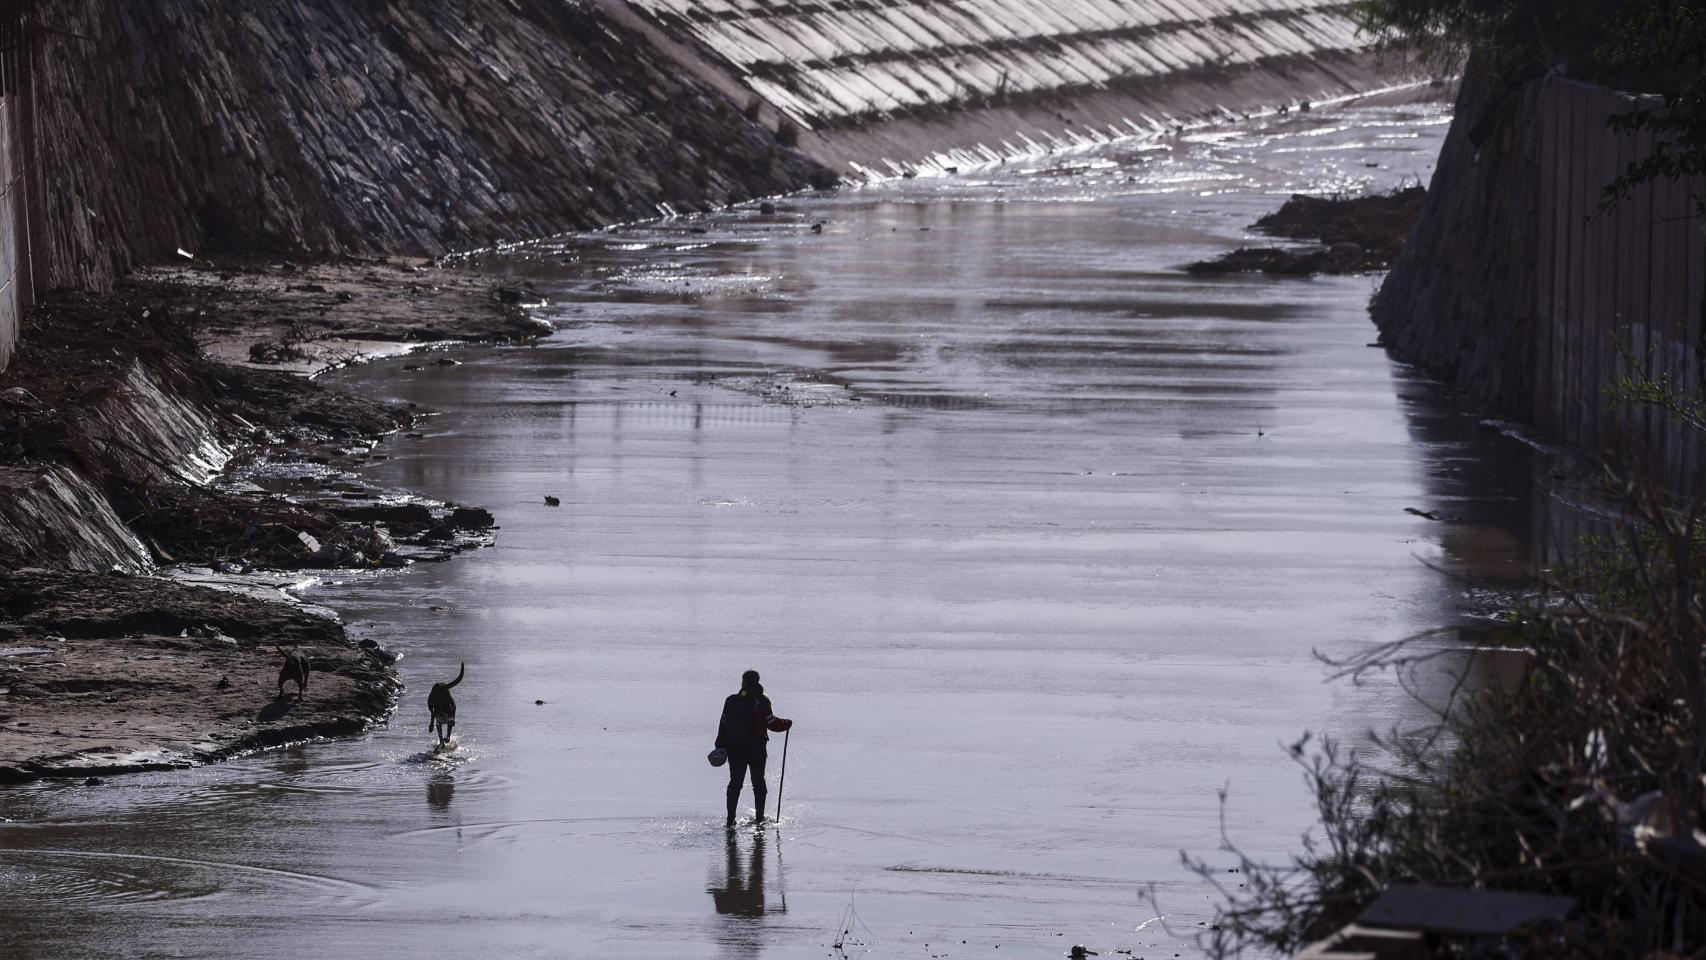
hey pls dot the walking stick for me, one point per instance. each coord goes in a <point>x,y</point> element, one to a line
<point>783,781</point>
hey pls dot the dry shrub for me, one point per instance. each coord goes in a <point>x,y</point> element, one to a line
<point>1581,778</point>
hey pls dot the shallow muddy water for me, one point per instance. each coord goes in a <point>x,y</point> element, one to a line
<point>1032,534</point>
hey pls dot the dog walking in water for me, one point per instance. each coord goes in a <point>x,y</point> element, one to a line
<point>443,707</point>
<point>296,668</point>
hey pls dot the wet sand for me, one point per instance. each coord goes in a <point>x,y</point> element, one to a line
<point>1036,547</point>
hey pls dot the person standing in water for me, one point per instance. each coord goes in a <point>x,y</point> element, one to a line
<point>744,735</point>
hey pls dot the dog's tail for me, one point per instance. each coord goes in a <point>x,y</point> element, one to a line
<point>458,679</point>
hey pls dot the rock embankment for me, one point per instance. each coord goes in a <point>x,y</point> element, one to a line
<point>1343,235</point>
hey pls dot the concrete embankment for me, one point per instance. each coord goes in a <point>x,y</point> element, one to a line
<point>318,127</point>
<point>1522,289</point>
<point>332,127</point>
<point>899,86</point>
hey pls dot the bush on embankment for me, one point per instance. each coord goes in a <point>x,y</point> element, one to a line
<point>1581,776</point>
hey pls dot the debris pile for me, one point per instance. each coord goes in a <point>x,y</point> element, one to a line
<point>1346,235</point>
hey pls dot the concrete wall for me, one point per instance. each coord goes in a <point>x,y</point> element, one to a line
<point>16,156</point>
<point>1619,291</point>
<point>886,85</point>
<point>325,127</point>
<point>1518,287</point>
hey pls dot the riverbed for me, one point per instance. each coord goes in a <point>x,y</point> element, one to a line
<point>1035,537</point>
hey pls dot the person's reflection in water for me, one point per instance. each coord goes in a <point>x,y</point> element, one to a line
<point>739,895</point>
<point>441,788</point>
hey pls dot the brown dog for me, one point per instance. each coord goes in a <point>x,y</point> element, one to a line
<point>296,667</point>
<point>442,706</point>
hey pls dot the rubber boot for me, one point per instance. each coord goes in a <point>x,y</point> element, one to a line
<point>758,797</point>
<point>734,802</point>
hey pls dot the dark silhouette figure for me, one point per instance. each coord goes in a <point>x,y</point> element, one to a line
<point>743,733</point>
<point>737,891</point>
<point>441,789</point>
<point>294,670</point>
<point>742,892</point>
<point>442,706</point>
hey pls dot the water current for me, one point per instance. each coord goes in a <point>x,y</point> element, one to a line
<point>1034,535</point>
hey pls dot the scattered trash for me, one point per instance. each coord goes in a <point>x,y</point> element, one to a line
<point>1424,514</point>
<point>551,501</point>
<point>539,703</point>
<point>185,254</point>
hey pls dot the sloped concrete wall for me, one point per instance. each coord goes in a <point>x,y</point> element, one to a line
<point>17,288</point>
<point>381,126</point>
<point>898,80</point>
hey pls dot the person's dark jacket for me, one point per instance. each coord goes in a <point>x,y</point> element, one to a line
<point>747,719</point>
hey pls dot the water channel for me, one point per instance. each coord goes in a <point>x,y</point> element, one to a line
<point>1033,534</point>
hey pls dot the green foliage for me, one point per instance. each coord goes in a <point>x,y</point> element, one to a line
<point>1546,778</point>
<point>1660,46</point>
<point>1536,34</point>
<point>1646,46</point>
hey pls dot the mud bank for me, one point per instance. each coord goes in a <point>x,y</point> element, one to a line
<point>107,673</point>
<point>1346,235</point>
<point>127,447</point>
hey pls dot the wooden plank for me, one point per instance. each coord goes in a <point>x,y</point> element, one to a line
<point>1545,252</point>
<point>1370,943</point>
<point>1572,287</point>
<point>1638,239</point>
<point>1467,913</point>
<point>1691,472</point>
<point>1580,286</point>
<point>1560,321</point>
<point>1608,224</point>
<point>1672,231</point>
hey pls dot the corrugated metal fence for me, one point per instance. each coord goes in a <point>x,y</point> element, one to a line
<point>17,288</point>
<point>1619,290</point>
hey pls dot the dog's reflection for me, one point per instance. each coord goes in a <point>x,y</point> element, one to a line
<point>441,789</point>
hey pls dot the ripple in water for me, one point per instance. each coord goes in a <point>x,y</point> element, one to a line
<point>119,879</point>
<point>398,776</point>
